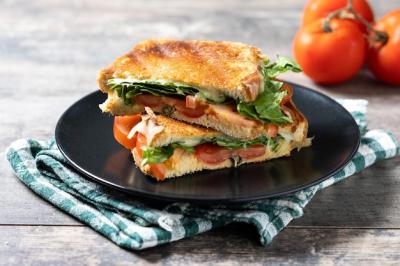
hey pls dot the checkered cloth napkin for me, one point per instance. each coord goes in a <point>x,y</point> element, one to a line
<point>133,224</point>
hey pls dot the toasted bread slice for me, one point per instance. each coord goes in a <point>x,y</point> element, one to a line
<point>230,68</point>
<point>177,131</point>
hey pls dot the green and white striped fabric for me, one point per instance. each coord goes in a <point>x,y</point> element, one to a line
<point>134,225</point>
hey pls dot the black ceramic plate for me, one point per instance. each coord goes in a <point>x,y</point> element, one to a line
<point>84,135</point>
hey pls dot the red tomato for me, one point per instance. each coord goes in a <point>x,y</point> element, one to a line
<point>330,57</point>
<point>317,9</point>
<point>140,142</point>
<point>180,105</point>
<point>272,130</point>
<point>212,154</point>
<point>170,101</point>
<point>384,59</point>
<point>251,152</point>
<point>148,100</point>
<point>121,128</point>
<point>156,169</point>
<point>289,94</point>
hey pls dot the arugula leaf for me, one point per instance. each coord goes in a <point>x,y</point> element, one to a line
<point>248,110</point>
<point>161,154</point>
<point>156,154</point>
<point>232,143</point>
<point>189,149</point>
<point>129,88</point>
<point>267,107</point>
<point>281,65</point>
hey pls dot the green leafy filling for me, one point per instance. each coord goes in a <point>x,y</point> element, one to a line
<point>265,108</point>
<point>161,154</point>
<point>152,155</point>
<point>156,154</point>
<point>127,89</point>
<point>232,143</point>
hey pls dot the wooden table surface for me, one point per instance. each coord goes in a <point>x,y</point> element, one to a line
<point>50,52</point>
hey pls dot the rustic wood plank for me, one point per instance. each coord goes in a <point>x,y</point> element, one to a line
<point>50,54</point>
<point>52,62</point>
<point>52,245</point>
<point>369,199</point>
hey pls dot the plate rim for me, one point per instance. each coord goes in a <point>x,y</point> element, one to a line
<point>213,200</point>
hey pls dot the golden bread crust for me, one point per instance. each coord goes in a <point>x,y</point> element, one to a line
<point>175,131</point>
<point>228,67</point>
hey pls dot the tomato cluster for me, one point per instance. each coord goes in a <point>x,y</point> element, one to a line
<point>338,37</point>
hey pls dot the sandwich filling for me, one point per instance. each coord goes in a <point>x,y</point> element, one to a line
<point>231,148</point>
<point>161,156</point>
<point>167,96</point>
<point>219,105</point>
<point>209,149</point>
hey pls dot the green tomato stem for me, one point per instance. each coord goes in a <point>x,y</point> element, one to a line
<point>348,12</point>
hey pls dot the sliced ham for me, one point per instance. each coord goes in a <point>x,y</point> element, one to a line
<point>229,113</point>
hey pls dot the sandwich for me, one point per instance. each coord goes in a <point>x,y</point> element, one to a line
<point>203,105</point>
<point>167,148</point>
<point>225,86</point>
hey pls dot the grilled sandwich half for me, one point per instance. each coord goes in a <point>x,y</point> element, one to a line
<point>227,86</point>
<point>167,148</point>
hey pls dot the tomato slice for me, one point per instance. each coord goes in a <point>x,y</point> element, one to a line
<point>212,154</point>
<point>194,113</point>
<point>272,130</point>
<point>140,142</point>
<point>189,108</point>
<point>156,169</point>
<point>289,94</point>
<point>122,126</point>
<point>169,101</point>
<point>251,152</point>
<point>148,100</point>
